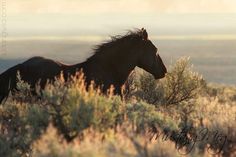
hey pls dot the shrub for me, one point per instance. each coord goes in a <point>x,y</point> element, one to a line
<point>180,84</point>
<point>118,145</point>
<point>74,109</point>
<point>20,125</point>
<point>85,122</point>
<point>176,93</point>
<point>144,116</point>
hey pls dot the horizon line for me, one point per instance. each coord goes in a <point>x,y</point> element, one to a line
<point>91,38</point>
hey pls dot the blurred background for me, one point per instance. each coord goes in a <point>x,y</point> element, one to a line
<point>67,30</point>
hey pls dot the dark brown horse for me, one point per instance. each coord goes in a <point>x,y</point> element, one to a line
<point>111,64</point>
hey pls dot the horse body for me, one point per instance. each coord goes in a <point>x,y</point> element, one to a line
<point>111,64</point>
<point>36,69</point>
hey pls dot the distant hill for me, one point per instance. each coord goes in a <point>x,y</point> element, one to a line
<point>214,59</point>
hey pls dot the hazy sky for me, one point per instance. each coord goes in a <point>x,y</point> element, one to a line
<point>96,17</point>
<point>130,6</point>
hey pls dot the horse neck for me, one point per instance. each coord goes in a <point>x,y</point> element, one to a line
<point>119,64</point>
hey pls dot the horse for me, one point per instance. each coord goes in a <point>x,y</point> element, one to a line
<point>110,64</point>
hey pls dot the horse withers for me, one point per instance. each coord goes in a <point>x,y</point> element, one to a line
<point>111,64</point>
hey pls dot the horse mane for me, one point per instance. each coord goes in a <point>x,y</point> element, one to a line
<point>115,41</point>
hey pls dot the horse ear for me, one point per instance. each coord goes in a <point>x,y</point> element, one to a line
<point>144,34</point>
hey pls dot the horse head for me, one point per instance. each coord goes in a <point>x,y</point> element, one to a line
<point>149,59</point>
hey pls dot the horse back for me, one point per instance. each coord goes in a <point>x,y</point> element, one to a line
<point>32,71</point>
<point>40,69</point>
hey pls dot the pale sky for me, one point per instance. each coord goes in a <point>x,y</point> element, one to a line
<point>104,17</point>
<point>130,6</point>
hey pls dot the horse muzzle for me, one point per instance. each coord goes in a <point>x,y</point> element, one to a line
<point>159,76</point>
